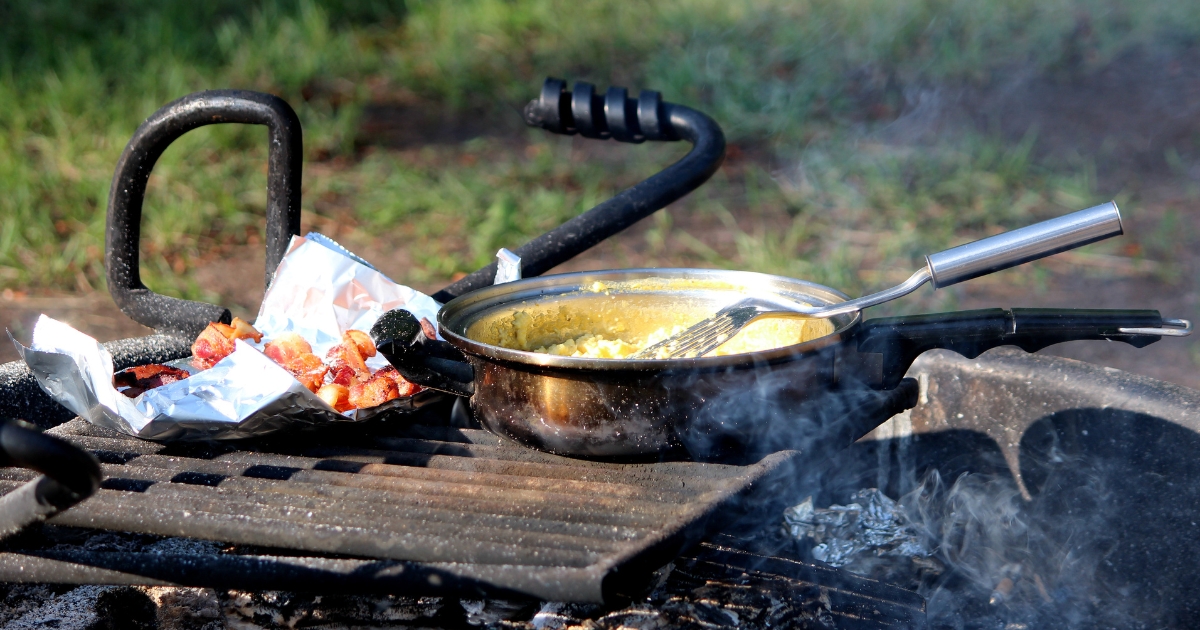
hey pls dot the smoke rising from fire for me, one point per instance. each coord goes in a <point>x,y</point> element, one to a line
<point>1063,559</point>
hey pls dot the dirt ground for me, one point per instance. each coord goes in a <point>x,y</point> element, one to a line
<point>1129,118</point>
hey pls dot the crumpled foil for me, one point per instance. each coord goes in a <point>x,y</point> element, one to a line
<point>856,535</point>
<point>508,266</point>
<point>319,291</point>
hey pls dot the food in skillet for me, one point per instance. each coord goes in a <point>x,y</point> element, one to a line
<point>617,328</point>
<point>343,379</point>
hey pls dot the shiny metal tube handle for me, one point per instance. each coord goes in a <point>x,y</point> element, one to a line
<point>1023,245</point>
<point>941,269</point>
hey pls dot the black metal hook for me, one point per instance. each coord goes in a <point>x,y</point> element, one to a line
<point>172,315</point>
<point>614,116</point>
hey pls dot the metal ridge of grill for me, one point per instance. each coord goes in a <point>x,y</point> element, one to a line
<point>429,510</point>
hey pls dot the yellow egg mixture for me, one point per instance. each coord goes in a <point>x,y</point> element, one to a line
<point>609,325</point>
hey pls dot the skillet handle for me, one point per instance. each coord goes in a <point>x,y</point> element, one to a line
<point>172,315</point>
<point>900,340</point>
<point>421,358</point>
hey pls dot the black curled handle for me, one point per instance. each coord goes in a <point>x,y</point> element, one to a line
<point>613,116</point>
<point>172,315</point>
<point>419,356</point>
<point>887,346</point>
<point>70,475</point>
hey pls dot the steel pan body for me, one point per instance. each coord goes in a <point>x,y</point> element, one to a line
<point>620,407</point>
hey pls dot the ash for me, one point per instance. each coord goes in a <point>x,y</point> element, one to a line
<point>678,603</point>
<point>871,536</point>
<point>686,598</point>
<point>983,557</point>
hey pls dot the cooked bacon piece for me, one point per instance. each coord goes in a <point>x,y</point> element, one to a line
<point>125,378</point>
<point>216,341</point>
<point>387,384</point>
<point>211,346</point>
<point>286,347</point>
<point>347,364</point>
<point>308,369</point>
<point>361,340</point>
<point>403,386</point>
<point>337,396</point>
<point>347,360</point>
<point>241,329</point>
<point>145,374</point>
<point>374,392</point>
<point>143,377</point>
<point>342,375</point>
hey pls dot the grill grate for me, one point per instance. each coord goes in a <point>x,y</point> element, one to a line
<point>426,509</point>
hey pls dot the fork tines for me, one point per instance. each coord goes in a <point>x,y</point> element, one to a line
<point>702,337</point>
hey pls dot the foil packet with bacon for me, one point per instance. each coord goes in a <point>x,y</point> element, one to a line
<point>305,360</point>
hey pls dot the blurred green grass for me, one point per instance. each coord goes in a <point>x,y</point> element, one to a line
<point>803,82</point>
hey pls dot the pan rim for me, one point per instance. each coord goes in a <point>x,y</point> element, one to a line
<point>459,313</point>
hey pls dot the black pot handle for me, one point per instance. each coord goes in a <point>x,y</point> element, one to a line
<point>419,356</point>
<point>70,475</point>
<point>887,346</point>
<point>173,315</point>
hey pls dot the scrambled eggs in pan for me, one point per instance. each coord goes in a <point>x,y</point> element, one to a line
<point>615,325</point>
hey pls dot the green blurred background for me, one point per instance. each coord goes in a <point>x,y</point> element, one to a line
<point>863,135</point>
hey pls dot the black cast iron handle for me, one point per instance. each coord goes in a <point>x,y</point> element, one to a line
<point>285,154</point>
<point>614,116</point>
<point>421,359</point>
<point>898,341</point>
<point>69,475</point>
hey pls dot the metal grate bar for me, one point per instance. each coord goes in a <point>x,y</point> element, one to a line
<point>303,573</point>
<point>551,464</point>
<point>437,502</point>
<point>471,459</point>
<point>507,531</point>
<point>473,468</point>
<point>569,513</point>
<point>216,473</point>
<point>140,513</point>
<point>389,466</point>
<point>597,533</point>
<point>292,493</point>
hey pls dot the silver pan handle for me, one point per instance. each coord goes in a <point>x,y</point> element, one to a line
<point>1023,245</point>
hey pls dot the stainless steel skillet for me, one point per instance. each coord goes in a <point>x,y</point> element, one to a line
<point>615,407</point>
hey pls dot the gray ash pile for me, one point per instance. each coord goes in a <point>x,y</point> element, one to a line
<point>980,554</point>
<point>870,536</point>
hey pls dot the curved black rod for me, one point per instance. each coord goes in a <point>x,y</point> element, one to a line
<point>172,315</point>
<point>628,207</point>
<point>70,475</point>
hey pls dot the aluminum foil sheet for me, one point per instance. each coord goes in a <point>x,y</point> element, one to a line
<point>320,290</point>
<point>508,266</point>
<point>857,534</point>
